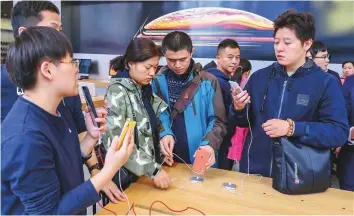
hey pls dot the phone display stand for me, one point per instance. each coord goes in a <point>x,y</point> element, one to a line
<point>229,186</point>
<point>197,179</point>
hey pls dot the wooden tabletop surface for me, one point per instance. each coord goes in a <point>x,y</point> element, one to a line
<point>250,197</point>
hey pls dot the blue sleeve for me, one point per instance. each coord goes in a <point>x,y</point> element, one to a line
<point>216,117</point>
<point>331,129</point>
<point>74,104</point>
<point>164,118</point>
<point>29,163</point>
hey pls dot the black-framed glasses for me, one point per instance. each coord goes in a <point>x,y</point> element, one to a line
<point>324,57</point>
<point>75,62</point>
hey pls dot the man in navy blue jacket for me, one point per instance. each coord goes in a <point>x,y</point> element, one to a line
<point>292,97</point>
<point>228,59</point>
<point>24,15</point>
<point>346,154</point>
<point>41,165</point>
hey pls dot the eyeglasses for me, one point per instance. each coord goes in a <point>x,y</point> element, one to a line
<point>75,62</point>
<point>324,57</point>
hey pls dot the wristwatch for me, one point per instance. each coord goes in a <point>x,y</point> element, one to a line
<point>95,166</point>
<point>86,158</point>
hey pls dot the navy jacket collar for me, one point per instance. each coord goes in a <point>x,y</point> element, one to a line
<point>123,74</point>
<point>216,72</point>
<point>303,70</point>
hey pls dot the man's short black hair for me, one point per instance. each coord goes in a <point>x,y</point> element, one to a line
<point>352,62</point>
<point>317,46</point>
<point>32,47</point>
<point>28,13</point>
<point>176,41</point>
<point>227,43</point>
<point>302,23</point>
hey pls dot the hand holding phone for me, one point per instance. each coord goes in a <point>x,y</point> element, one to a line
<point>235,85</point>
<point>90,105</point>
<point>201,159</point>
<point>127,125</point>
<point>240,97</point>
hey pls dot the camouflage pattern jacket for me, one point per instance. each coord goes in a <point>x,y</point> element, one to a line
<point>124,97</point>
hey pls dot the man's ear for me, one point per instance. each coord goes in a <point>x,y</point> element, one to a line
<point>308,44</point>
<point>218,58</point>
<point>45,69</point>
<point>21,29</point>
<point>192,52</point>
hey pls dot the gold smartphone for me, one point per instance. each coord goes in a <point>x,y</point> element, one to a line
<point>127,125</point>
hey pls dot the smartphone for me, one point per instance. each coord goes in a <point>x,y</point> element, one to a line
<point>90,105</point>
<point>235,85</point>
<point>201,158</point>
<point>127,125</point>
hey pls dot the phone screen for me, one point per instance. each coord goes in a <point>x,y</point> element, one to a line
<point>90,105</point>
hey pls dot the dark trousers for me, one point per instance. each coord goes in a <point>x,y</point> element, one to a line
<point>346,168</point>
<point>223,161</point>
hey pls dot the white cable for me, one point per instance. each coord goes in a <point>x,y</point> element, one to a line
<point>99,138</point>
<point>248,159</point>
<point>120,185</point>
<point>181,187</point>
<point>249,147</point>
<point>186,164</point>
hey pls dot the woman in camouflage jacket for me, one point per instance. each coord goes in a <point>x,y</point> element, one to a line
<point>130,97</point>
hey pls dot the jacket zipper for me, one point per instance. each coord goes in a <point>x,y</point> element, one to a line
<point>282,97</point>
<point>279,113</point>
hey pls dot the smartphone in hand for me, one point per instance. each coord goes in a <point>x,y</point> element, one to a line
<point>90,105</point>
<point>127,125</point>
<point>201,159</point>
<point>235,85</point>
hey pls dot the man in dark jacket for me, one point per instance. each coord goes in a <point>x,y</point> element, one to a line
<point>321,57</point>
<point>211,64</point>
<point>228,59</point>
<point>26,14</point>
<point>291,98</point>
<point>346,154</point>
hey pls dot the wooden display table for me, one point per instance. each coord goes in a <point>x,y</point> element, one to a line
<point>209,197</point>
